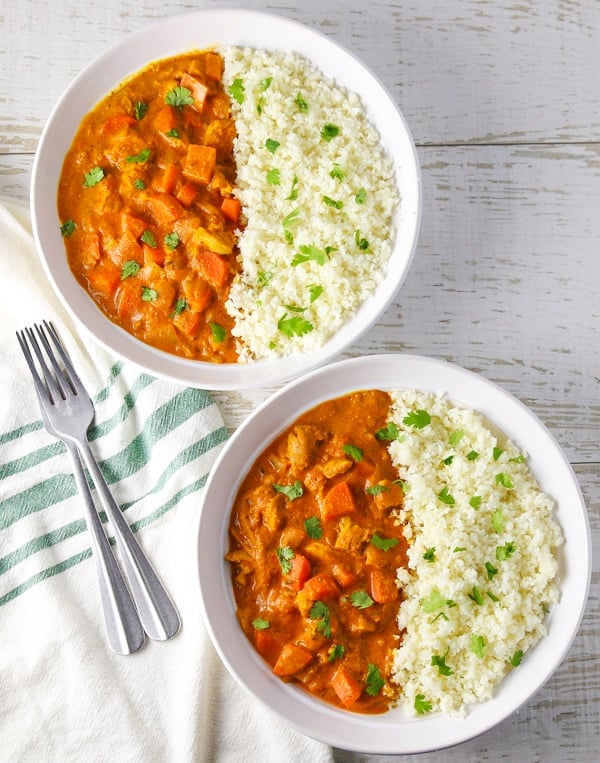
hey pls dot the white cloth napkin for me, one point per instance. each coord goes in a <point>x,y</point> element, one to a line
<point>65,695</point>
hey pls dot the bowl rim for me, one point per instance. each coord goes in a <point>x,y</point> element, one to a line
<point>237,27</point>
<point>312,717</point>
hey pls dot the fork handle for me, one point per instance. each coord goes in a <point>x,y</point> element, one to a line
<point>123,626</point>
<point>156,610</point>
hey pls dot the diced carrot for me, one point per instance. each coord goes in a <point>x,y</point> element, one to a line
<point>200,162</point>
<point>198,294</point>
<point>292,658</point>
<point>299,572</point>
<point>167,181</point>
<point>338,502</point>
<point>231,209</point>
<point>212,266</point>
<point>197,89</point>
<point>187,194</point>
<point>345,685</point>
<point>117,123</point>
<point>104,280</point>
<point>135,224</point>
<point>154,255</point>
<point>344,576</point>
<point>166,119</point>
<point>213,66</point>
<point>382,586</point>
<point>267,645</point>
<point>165,208</point>
<point>188,321</point>
<point>321,588</point>
<point>128,298</point>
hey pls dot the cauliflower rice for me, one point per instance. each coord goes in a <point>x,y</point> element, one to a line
<point>482,555</point>
<point>313,181</point>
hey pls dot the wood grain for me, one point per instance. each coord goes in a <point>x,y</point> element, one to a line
<point>503,100</point>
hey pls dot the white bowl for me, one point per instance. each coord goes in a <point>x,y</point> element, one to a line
<point>192,31</point>
<point>393,732</point>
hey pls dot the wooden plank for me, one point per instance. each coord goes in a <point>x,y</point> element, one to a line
<point>466,71</point>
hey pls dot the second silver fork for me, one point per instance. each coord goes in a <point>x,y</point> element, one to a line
<point>68,411</point>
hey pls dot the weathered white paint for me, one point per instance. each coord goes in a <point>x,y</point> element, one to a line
<point>503,99</point>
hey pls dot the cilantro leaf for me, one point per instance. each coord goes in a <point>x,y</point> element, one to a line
<point>273,177</point>
<point>172,133</point>
<point>477,645</point>
<point>475,502</point>
<point>472,455</point>
<point>148,238</point>
<point>429,555</point>
<point>515,660</point>
<point>180,306</point>
<point>439,661</point>
<point>140,110</point>
<point>217,331</point>
<point>93,177</point>
<point>384,544</point>
<point>333,202</point>
<point>361,196</point>
<point>361,243</point>
<point>445,497</point>
<point>352,451</point>
<point>496,453</point>
<point>179,97</point>
<point>272,145</point>
<point>313,527</point>
<point>421,705</point>
<point>139,184</point>
<point>140,158</point>
<point>377,489</point>
<point>505,552</point>
<point>337,172</point>
<point>285,556</point>
<point>497,521</point>
<point>456,437</point>
<point>504,480</point>
<point>293,191</point>
<point>434,601</point>
<point>67,228</point>
<point>308,253</point>
<point>374,681</point>
<point>260,624</point>
<point>294,325</point>
<point>476,596</point>
<point>417,419</point>
<point>388,432</point>
<point>320,611</point>
<point>301,103</point>
<point>265,83</point>
<point>149,295</point>
<point>335,653</point>
<point>130,268</point>
<point>315,291</point>
<point>361,599</point>
<point>491,570</point>
<point>237,91</point>
<point>290,491</point>
<point>171,240</point>
<point>329,131</point>
<point>291,219</point>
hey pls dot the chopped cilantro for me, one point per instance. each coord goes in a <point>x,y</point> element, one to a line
<point>475,502</point>
<point>179,97</point>
<point>171,240</point>
<point>377,489</point>
<point>476,596</point>
<point>320,611</point>
<point>273,177</point>
<point>313,527</point>
<point>337,173</point>
<point>329,131</point>
<point>435,601</point>
<point>294,325</point>
<point>446,497</point>
<point>361,599</point>
<point>515,660</point>
<point>335,653</point>
<point>505,552</point>
<point>448,460</point>
<point>492,596</point>
<point>308,253</point>
<point>140,158</point>
<point>352,451</point>
<point>504,480</point>
<point>333,202</point>
<point>293,190</point>
<point>148,238</point>
<point>361,196</point>
<point>130,268</point>
<point>439,661</point>
<point>301,103</point>
<point>374,681</point>
<point>140,110</point>
<point>315,291</point>
<point>285,556</point>
<point>260,624</point>
<point>218,332</point>
<point>429,555</point>
<point>417,419</point>
<point>67,228</point>
<point>491,570</point>
<point>172,133</point>
<point>139,184</point>
<point>384,544</point>
<point>93,177</point>
<point>497,521</point>
<point>456,437</point>
<point>180,306</point>
<point>496,453</point>
<point>421,705</point>
<point>458,549</point>
<point>517,459</point>
<point>290,491</point>
<point>265,83</point>
<point>291,219</point>
<point>472,455</point>
<point>388,432</point>
<point>237,91</point>
<point>477,645</point>
<point>149,295</point>
<point>360,242</point>
<point>271,145</point>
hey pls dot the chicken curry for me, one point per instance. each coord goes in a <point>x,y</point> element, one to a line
<point>315,544</point>
<point>147,206</point>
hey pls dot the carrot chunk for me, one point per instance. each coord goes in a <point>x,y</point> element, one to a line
<point>167,181</point>
<point>188,321</point>
<point>166,119</point>
<point>104,280</point>
<point>338,502</point>
<point>346,686</point>
<point>200,162</point>
<point>197,89</point>
<point>118,123</point>
<point>299,572</point>
<point>382,586</point>
<point>187,194</point>
<point>231,208</point>
<point>165,208</point>
<point>268,646</point>
<point>321,588</point>
<point>292,658</point>
<point>212,267</point>
<point>153,254</point>
<point>213,66</point>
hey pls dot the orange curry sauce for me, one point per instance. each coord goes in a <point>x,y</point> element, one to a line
<point>314,549</point>
<point>147,207</point>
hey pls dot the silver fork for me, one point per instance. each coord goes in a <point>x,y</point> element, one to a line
<point>68,409</point>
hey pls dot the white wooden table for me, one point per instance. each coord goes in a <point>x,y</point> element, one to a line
<point>503,100</point>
